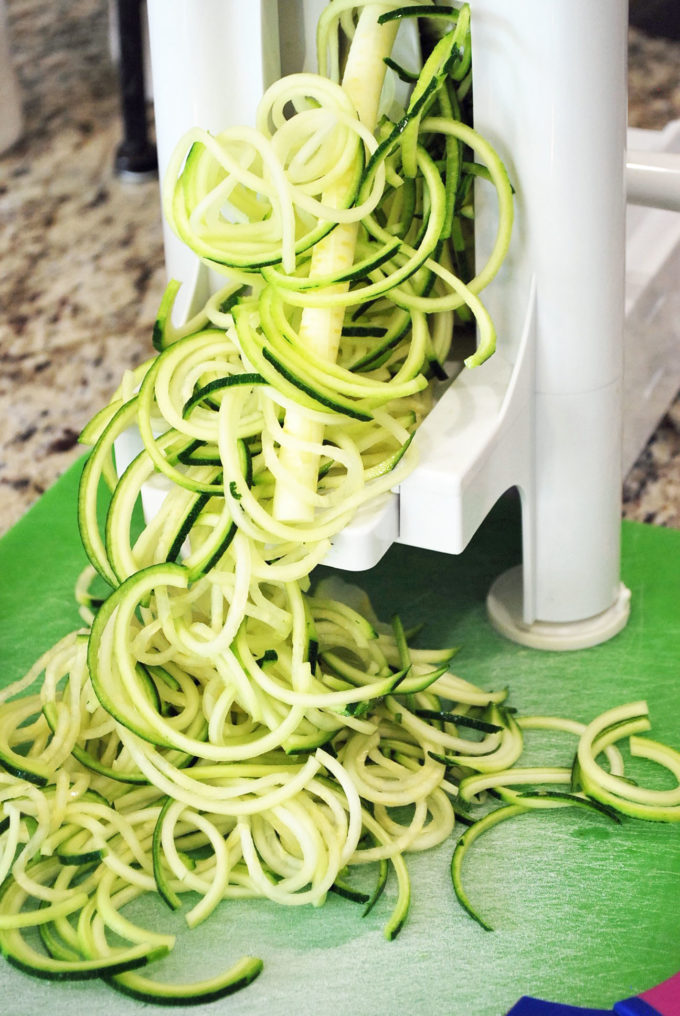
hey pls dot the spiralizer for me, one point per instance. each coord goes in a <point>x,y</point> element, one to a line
<point>545,414</point>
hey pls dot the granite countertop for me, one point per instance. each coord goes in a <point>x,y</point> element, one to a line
<point>82,259</point>
<point>81,252</point>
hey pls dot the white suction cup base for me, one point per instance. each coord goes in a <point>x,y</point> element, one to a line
<point>504,604</point>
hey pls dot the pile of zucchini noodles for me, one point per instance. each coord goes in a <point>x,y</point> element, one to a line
<point>220,728</point>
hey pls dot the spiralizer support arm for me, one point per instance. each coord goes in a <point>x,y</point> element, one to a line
<point>550,92</point>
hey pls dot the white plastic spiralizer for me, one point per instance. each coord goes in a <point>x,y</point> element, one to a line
<point>587,357</point>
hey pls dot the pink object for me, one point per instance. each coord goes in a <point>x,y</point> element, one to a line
<point>665,997</point>
<point>662,1000</point>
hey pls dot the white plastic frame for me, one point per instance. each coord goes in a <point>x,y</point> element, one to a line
<point>545,413</point>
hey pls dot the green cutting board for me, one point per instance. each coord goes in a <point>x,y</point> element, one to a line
<point>584,912</point>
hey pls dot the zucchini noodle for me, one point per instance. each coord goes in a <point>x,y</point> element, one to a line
<point>219,726</point>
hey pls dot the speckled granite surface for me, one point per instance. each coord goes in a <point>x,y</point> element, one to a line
<point>81,253</point>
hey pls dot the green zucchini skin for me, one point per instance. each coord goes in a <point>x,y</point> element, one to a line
<point>144,989</point>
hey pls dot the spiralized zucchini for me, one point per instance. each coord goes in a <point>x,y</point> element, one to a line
<point>219,726</point>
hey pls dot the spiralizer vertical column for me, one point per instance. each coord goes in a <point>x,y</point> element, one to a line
<point>550,92</point>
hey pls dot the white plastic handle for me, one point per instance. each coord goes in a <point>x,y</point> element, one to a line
<point>653,179</point>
